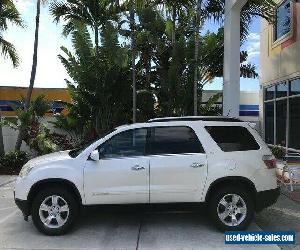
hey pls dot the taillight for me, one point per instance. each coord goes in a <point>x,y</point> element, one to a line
<point>269,161</point>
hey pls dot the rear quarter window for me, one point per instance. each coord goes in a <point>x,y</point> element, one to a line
<point>233,138</point>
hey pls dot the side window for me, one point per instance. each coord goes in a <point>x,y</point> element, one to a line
<point>125,144</point>
<point>232,138</point>
<point>174,140</point>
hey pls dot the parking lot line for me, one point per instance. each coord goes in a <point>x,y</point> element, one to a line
<point>8,216</point>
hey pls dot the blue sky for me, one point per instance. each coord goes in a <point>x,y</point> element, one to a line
<point>51,73</point>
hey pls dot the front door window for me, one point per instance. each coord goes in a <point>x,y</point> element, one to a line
<point>125,144</point>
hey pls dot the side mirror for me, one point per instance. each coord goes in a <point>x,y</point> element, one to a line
<point>95,155</point>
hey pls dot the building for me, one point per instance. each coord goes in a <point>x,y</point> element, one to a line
<point>280,77</point>
<point>10,98</point>
<point>249,104</point>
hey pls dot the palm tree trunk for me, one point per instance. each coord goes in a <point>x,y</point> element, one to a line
<point>133,53</point>
<point>97,41</point>
<point>174,24</point>
<point>2,152</point>
<point>196,34</point>
<point>96,29</point>
<point>33,72</point>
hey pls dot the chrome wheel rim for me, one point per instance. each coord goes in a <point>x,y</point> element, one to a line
<point>54,211</point>
<point>232,210</point>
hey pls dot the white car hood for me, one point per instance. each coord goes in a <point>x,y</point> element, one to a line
<point>58,156</point>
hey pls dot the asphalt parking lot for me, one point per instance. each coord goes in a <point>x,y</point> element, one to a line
<point>115,230</point>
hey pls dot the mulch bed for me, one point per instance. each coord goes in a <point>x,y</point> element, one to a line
<point>9,171</point>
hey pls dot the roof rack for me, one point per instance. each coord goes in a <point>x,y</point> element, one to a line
<point>197,118</point>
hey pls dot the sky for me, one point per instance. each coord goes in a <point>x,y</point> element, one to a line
<point>50,71</point>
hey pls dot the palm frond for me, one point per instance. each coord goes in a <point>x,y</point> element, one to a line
<point>8,50</point>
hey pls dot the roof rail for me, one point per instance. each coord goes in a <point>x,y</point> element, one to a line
<point>196,118</point>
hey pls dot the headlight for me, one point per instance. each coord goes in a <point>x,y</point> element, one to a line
<point>25,170</point>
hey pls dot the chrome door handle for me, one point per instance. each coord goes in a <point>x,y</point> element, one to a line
<point>137,168</point>
<point>197,165</point>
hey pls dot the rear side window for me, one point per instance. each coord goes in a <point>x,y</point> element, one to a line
<point>232,138</point>
<point>174,140</point>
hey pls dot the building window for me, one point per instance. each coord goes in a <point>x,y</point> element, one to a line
<point>270,93</point>
<point>282,114</point>
<point>282,90</point>
<point>295,87</point>
<point>294,131</point>
<point>281,109</point>
<point>269,122</point>
<point>283,20</point>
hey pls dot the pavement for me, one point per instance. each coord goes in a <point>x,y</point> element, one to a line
<point>284,215</point>
<point>96,229</point>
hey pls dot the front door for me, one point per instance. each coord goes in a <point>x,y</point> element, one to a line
<point>178,165</point>
<point>122,174</point>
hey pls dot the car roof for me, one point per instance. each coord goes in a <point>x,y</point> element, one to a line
<point>184,121</point>
<point>197,118</point>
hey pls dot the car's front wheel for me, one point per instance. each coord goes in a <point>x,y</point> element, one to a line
<point>231,208</point>
<point>54,211</point>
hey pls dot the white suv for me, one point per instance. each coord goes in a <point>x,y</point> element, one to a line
<point>217,160</point>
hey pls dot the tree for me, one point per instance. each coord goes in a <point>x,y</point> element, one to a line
<point>33,68</point>
<point>166,61</point>
<point>100,89</point>
<point>133,57</point>
<point>133,7</point>
<point>93,13</point>
<point>8,14</point>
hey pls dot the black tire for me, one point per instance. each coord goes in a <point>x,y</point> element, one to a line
<point>73,210</point>
<point>227,192</point>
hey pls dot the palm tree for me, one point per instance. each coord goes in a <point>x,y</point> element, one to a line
<point>133,56</point>
<point>33,69</point>
<point>197,25</point>
<point>133,6</point>
<point>8,14</point>
<point>93,13</point>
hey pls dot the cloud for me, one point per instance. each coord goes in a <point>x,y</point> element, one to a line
<point>50,71</point>
<point>24,5</point>
<point>252,46</point>
<point>253,36</point>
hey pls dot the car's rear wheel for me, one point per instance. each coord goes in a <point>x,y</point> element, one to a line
<point>231,208</point>
<point>54,211</point>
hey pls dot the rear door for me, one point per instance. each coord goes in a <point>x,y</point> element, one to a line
<point>178,165</point>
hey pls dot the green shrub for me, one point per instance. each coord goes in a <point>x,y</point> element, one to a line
<point>278,152</point>
<point>39,140</point>
<point>14,160</point>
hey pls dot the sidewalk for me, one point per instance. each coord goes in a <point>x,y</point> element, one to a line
<point>5,179</point>
<point>284,215</point>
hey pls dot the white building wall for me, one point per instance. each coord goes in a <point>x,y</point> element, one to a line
<point>10,135</point>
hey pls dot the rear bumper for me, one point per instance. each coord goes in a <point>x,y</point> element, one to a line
<point>266,198</point>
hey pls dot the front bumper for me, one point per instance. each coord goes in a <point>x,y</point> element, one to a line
<point>266,198</point>
<point>23,205</point>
